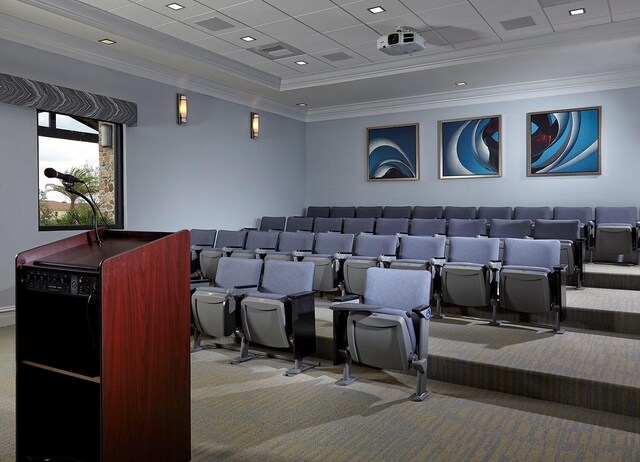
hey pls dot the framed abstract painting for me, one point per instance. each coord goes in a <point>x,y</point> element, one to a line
<point>565,142</point>
<point>393,153</point>
<point>470,148</point>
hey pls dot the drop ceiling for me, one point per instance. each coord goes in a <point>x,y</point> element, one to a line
<point>492,45</point>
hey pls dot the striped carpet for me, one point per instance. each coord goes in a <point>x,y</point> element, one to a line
<point>251,412</point>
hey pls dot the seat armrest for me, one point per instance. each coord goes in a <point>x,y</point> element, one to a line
<point>424,311</point>
<point>438,262</point>
<point>298,295</point>
<point>300,254</point>
<point>351,307</point>
<point>229,249</point>
<point>561,268</point>
<point>494,265</point>
<point>386,259</point>
<point>342,256</point>
<point>346,298</point>
<point>261,253</point>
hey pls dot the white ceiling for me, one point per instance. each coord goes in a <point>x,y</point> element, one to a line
<point>199,47</point>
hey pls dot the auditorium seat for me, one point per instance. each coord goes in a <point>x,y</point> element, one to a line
<point>517,229</point>
<point>428,226</point>
<point>416,252</point>
<point>468,277</point>
<point>427,211</point>
<point>532,213</point>
<point>616,230</point>
<point>584,215</point>
<point>199,240</point>
<point>459,212</point>
<point>327,225</point>
<point>272,223</point>
<point>327,245</point>
<point>299,224</point>
<point>343,212</point>
<point>490,213</point>
<point>390,330</point>
<point>318,211</point>
<point>289,243</point>
<point>358,225</point>
<point>226,242</point>
<point>257,240</point>
<point>396,211</point>
<point>214,309</point>
<point>532,279</point>
<point>374,211</point>
<point>571,244</point>
<point>369,251</point>
<point>281,314</point>
<point>392,226</point>
<point>463,227</point>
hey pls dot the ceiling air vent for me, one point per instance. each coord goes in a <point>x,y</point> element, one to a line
<point>215,24</point>
<point>518,23</point>
<point>278,50</point>
<point>333,57</point>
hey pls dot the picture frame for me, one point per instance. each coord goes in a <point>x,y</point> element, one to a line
<point>393,153</point>
<point>470,147</point>
<point>564,142</point>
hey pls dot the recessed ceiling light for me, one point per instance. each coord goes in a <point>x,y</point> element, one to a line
<point>248,38</point>
<point>461,84</point>
<point>175,6</point>
<point>301,104</point>
<point>107,41</point>
<point>301,63</point>
<point>577,11</point>
<point>376,9</point>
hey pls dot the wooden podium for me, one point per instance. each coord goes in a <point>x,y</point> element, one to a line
<point>102,349</point>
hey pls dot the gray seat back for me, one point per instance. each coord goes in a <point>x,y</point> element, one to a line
<point>427,211</point>
<point>459,212</point>
<point>227,238</point>
<point>202,237</point>
<point>466,227</point>
<point>617,215</point>
<point>373,246</point>
<point>290,241</point>
<point>327,225</point>
<point>473,250</point>
<point>392,226</point>
<point>539,253</point>
<point>532,213</point>
<point>343,212</point>
<point>318,211</point>
<point>402,290</point>
<point>261,240</point>
<point>272,223</point>
<point>421,247</point>
<point>427,226</point>
<point>491,213</point>
<point>286,277</point>
<point>299,224</point>
<point>518,229</point>
<point>374,211</point>
<point>331,243</point>
<point>235,272</point>
<point>358,225</point>
<point>583,214</point>
<point>396,211</point>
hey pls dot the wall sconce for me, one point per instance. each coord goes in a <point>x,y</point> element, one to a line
<point>106,135</point>
<point>255,125</point>
<point>182,109</point>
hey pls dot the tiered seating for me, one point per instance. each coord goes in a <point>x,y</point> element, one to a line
<point>368,252</point>
<point>272,223</point>
<point>299,224</point>
<point>391,226</point>
<point>358,225</point>
<point>290,244</point>
<point>327,266</point>
<point>327,225</point>
<point>616,230</point>
<point>572,245</point>
<point>200,239</point>
<point>256,240</point>
<point>226,242</point>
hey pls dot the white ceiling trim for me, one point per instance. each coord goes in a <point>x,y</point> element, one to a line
<point>538,89</point>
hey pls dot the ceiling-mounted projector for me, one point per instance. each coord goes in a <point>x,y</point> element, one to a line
<point>402,41</point>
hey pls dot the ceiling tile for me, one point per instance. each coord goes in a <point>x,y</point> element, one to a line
<point>504,8</point>
<point>216,45</point>
<point>354,59</point>
<point>286,30</point>
<point>191,8</point>
<point>540,27</point>
<point>217,4</point>
<point>182,31</point>
<point>254,13</point>
<point>458,23</point>
<point>477,42</point>
<point>418,6</point>
<point>326,20</point>
<point>387,26</point>
<point>371,52</point>
<point>315,43</point>
<point>313,64</point>
<point>353,35</point>
<point>277,69</point>
<point>584,23</point>
<point>106,5</point>
<point>625,9</point>
<point>393,9</point>
<point>141,15</point>
<point>246,57</point>
<point>213,23</point>
<point>297,7</point>
<point>593,9</point>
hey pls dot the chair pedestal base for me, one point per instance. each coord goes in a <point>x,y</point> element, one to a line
<point>420,397</point>
<point>298,368</point>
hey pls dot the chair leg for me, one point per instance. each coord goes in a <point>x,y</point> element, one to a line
<point>197,338</point>
<point>421,381</point>
<point>244,350</point>
<point>558,329</point>
<point>494,317</point>
<point>347,378</point>
<point>298,368</point>
<point>438,314</point>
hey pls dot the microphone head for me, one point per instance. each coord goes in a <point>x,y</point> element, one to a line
<point>50,172</point>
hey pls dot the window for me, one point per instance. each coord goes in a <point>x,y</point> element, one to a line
<point>90,150</point>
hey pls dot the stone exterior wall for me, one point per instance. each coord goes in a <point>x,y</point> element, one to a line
<point>106,191</point>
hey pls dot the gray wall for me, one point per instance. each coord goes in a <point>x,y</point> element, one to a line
<point>336,151</point>
<point>207,174</point>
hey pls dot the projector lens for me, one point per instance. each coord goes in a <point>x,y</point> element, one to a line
<point>393,39</point>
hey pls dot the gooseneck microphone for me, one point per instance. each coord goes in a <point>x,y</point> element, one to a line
<point>66,178</point>
<point>68,181</point>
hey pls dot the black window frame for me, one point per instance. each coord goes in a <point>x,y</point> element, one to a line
<point>118,168</point>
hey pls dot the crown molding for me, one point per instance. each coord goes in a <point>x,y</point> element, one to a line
<point>536,89</point>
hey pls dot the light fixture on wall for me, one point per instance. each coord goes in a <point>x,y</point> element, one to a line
<point>255,125</point>
<point>182,109</point>
<point>106,135</point>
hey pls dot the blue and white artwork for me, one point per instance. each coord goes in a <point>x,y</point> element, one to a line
<point>470,148</point>
<point>392,152</point>
<point>564,142</point>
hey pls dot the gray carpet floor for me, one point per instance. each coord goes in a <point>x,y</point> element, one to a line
<point>251,412</point>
